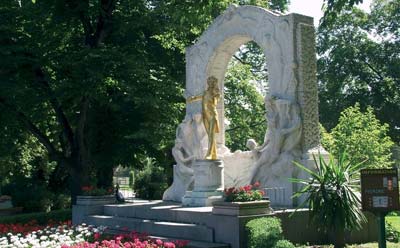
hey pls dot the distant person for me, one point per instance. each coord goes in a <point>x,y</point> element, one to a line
<point>118,195</point>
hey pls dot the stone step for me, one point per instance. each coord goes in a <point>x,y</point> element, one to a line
<point>160,211</point>
<point>184,231</point>
<point>195,244</point>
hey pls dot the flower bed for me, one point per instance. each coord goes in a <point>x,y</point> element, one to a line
<point>29,227</point>
<point>94,191</point>
<point>66,236</point>
<point>244,194</point>
<point>243,201</point>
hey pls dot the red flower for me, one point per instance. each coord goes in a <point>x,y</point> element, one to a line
<point>247,188</point>
<point>256,184</point>
<point>87,188</point>
<point>96,236</point>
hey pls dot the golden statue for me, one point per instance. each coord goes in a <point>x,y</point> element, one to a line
<point>210,115</point>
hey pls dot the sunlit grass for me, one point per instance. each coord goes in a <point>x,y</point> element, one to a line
<point>367,245</point>
<point>394,221</point>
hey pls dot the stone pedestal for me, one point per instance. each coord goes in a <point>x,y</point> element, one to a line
<point>208,183</point>
<point>242,208</point>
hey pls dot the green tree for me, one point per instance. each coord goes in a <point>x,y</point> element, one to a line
<point>362,136</point>
<point>359,61</point>
<point>150,181</point>
<point>96,83</point>
<point>90,86</point>
<point>332,8</point>
<point>244,105</point>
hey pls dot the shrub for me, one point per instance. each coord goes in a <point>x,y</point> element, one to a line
<point>264,232</point>
<point>150,182</point>
<point>284,244</point>
<point>331,196</point>
<point>362,136</point>
<point>61,201</point>
<point>33,199</point>
<point>42,218</point>
<point>31,195</point>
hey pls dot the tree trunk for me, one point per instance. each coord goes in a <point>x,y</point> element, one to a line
<point>76,183</point>
<point>79,175</point>
<point>339,238</point>
<point>104,176</point>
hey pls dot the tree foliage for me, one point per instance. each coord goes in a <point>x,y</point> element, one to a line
<point>334,7</point>
<point>245,83</point>
<point>362,136</point>
<point>359,61</point>
<point>94,84</point>
<point>71,78</point>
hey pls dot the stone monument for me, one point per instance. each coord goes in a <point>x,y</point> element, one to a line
<point>288,42</point>
<point>209,172</point>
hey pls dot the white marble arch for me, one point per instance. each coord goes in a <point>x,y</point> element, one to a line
<point>288,42</point>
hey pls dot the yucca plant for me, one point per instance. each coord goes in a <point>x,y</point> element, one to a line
<point>332,194</point>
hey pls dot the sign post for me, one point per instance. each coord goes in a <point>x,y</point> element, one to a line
<point>380,195</point>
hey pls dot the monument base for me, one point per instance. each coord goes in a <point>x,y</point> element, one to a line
<point>201,199</point>
<point>208,184</point>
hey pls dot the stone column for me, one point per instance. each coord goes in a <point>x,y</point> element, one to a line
<point>208,183</point>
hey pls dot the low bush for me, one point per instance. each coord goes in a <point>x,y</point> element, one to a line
<point>61,201</point>
<point>284,244</point>
<point>41,218</point>
<point>264,232</point>
<point>150,182</point>
<point>33,196</point>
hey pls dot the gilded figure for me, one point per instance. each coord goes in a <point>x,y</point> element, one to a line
<point>210,115</point>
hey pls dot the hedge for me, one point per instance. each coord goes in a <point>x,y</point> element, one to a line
<point>41,217</point>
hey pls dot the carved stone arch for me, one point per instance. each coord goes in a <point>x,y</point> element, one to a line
<point>277,35</point>
<point>288,42</point>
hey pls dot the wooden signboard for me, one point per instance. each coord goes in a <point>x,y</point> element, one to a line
<point>379,190</point>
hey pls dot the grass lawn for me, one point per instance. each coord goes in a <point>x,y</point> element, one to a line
<point>367,245</point>
<point>394,221</point>
<point>375,245</point>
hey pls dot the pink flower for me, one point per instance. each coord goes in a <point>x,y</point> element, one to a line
<point>127,245</point>
<point>96,236</point>
<point>169,245</point>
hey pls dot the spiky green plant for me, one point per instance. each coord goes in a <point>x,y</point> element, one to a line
<point>332,194</point>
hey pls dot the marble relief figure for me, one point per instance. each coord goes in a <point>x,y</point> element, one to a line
<point>282,136</point>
